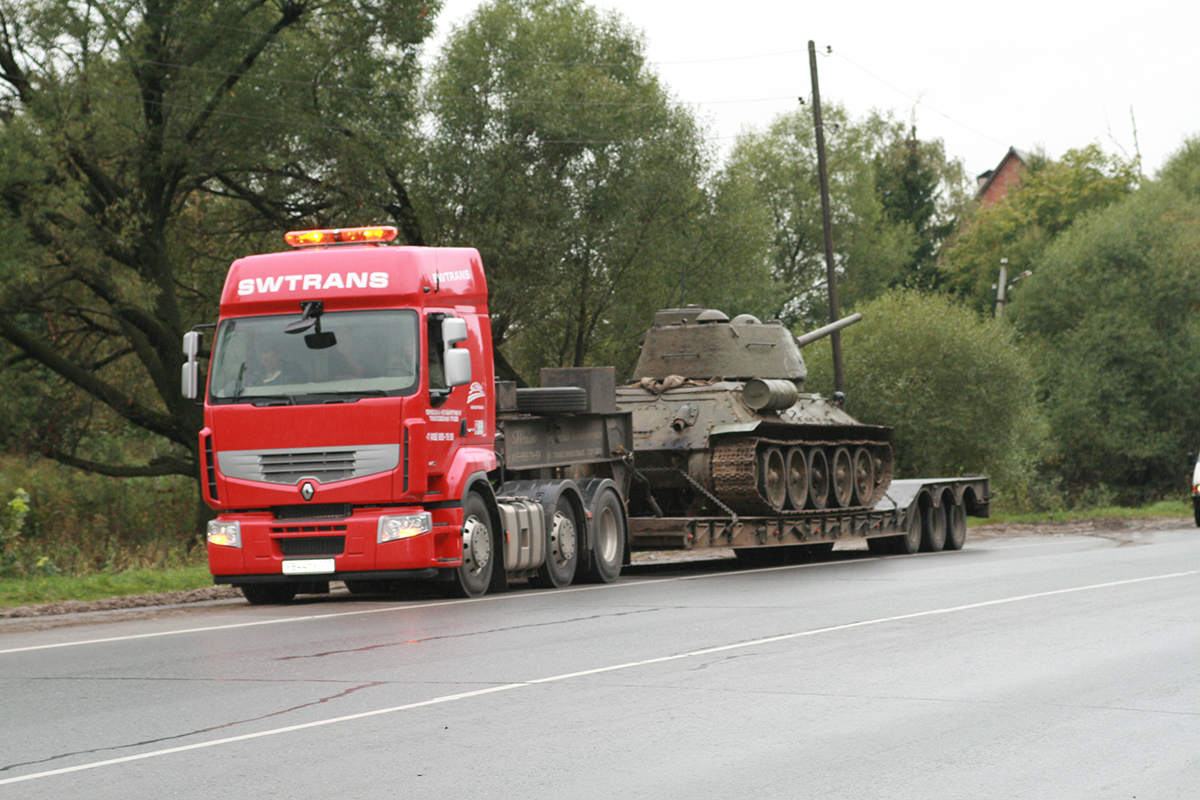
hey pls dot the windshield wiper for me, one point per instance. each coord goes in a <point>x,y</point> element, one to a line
<point>273,400</point>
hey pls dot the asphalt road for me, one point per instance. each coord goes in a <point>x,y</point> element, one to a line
<point>1042,667</point>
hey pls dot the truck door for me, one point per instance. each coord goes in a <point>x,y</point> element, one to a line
<point>446,411</point>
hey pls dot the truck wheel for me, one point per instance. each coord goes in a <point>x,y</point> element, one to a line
<point>933,529</point>
<point>956,526</point>
<point>1196,510</point>
<point>269,594</point>
<point>562,548</point>
<point>472,578</point>
<point>608,539</point>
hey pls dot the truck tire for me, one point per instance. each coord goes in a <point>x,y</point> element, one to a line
<point>933,529</point>
<point>562,547</point>
<point>474,575</point>
<point>956,526</point>
<point>1196,509</point>
<point>603,563</point>
<point>268,594</point>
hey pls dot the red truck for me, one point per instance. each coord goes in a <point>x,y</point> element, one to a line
<point>350,432</point>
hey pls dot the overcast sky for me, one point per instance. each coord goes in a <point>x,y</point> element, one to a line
<point>980,77</point>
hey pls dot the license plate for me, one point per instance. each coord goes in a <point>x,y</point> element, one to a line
<point>308,566</point>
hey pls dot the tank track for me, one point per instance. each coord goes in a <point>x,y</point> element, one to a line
<point>736,474</point>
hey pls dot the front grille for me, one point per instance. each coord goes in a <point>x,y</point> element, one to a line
<point>313,546</point>
<point>324,465</point>
<point>315,511</point>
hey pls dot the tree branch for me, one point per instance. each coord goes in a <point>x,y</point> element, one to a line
<point>163,465</point>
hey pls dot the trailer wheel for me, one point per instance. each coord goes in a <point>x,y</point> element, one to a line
<point>910,542</point>
<point>562,548</point>
<point>773,480</point>
<point>843,477</point>
<point>268,594</point>
<point>608,539</point>
<point>933,529</point>
<point>472,578</point>
<point>956,526</point>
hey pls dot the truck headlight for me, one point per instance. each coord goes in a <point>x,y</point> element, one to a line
<point>403,526</point>
<point>224,533</point>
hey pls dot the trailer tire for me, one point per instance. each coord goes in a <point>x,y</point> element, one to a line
<point>562,547</point>
<point>608,539</point>
<point>474,575</point>
<point>956,526</point>
<point>268,594</point>
<point>933,529</point>
<point>910,542</point>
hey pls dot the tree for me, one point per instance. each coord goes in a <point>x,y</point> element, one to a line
<point>557,152</point>
<point>889,193</point>
<point>141,145</point>
<point>1052,195</point>
<point>956,388</point>
<point>1111,314</point>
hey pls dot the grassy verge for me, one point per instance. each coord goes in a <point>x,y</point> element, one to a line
<point>1163,508</point>
<point>53,588</point>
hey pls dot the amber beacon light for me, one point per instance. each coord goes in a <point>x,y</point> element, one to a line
<point>378,233</point>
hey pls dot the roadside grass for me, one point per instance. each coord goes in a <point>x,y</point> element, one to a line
<point>28,591</point>
<point>1163,508</point>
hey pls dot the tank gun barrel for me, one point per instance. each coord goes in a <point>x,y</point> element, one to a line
<point>822,332</point>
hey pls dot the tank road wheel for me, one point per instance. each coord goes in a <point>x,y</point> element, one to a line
<point>797,478</point>
<point>864,476</point>
<point>773,477</point>
<point>471,579</point>
<point>608,539</point>
<point>268,594</point>
<point>818,478</point>
<point>843,477</point>
<point>562,548</point>
<point>933,533</point>
<point>956,526</point>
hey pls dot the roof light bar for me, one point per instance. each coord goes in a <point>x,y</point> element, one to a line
<point>317,238</point>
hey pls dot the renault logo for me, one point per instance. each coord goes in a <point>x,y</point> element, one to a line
<point>307,490</point>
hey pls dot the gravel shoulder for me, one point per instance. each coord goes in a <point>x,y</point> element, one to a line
<point>78,612</point>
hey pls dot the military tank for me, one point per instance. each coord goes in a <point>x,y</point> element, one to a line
<point>722,424</point>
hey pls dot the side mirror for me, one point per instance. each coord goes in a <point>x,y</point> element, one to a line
<point>190,379</point>
<point>454,330</point>
<point>458,367</point>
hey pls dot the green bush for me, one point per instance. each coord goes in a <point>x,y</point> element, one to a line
<point>955,386</point>
<point>59,520</point>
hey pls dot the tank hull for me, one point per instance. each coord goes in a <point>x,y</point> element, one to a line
<point>702,449</point>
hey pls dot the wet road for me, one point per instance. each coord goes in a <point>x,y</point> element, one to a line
<point>1048,667</point>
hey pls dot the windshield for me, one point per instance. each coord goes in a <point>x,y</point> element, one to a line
<point>355,354</point>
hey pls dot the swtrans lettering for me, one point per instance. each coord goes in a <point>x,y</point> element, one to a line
<point>453,275</point>
<point>334,280</point>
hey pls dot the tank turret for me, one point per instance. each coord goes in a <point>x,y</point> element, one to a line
<point>722,423</point>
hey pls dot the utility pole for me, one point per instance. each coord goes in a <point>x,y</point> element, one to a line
<point>835,338</point>
<point>1001,288</point>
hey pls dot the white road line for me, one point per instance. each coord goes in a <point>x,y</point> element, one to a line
<point>450,698</point>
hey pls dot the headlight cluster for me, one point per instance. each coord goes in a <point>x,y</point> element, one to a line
<point>403,526</point>
<point>228,534</point>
